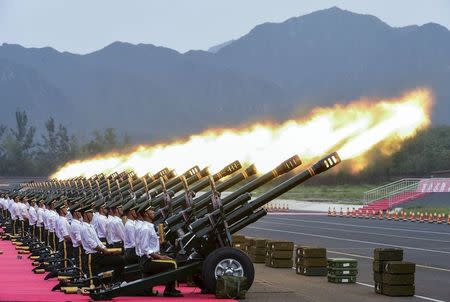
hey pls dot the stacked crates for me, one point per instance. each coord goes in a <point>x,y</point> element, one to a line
<point>311,261</point>
<point>256,249</point>
<point>240,242</point>
<point>342,270</point>
<point>393,276</point>
<point>279,254</point>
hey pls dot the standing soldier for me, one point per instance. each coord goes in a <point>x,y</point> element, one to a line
<point>40,221</point>
<point>75,235</point>
<point>32,218</point>
<point>129,242</point>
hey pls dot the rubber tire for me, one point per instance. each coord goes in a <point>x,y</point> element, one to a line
<point>211,261</point>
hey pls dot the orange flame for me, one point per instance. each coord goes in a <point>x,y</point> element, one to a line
<point>351,129</point>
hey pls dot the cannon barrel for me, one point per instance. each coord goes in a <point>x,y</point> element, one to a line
<point>201,226</point>
<point>260,213</point>
<point>204,199</point>
<point>284,167</point>
<point>179,201</point>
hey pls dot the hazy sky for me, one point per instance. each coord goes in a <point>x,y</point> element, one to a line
<point>83,26</point>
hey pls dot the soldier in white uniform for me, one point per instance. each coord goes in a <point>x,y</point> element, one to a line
<point>32,218</point>
<point>75,235</point>
<point>100,221</point>
<point>129,242</point>
<point>115,227</point>
<point>98,258</point>
<point>62,232</point>
<point>40,221</point>
<point>151,261</point>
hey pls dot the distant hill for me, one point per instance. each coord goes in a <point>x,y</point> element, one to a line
<point>275,71</point>
<point>216,48</point>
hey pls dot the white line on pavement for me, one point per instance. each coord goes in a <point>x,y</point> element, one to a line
<point>351,240</point>
<point>358,232</point>
<point>417,296</point>
<point>364,226</point>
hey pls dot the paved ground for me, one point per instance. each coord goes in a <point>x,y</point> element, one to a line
<point>428,245</point>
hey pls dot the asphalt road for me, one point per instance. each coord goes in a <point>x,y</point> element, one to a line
<point>427,245</point>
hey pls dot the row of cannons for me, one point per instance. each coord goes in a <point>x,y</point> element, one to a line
<point>194,221</point>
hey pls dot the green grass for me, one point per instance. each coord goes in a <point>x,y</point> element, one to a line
<point>347,193</point>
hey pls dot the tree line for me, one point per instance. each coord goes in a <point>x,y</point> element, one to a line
<point>23,153</point>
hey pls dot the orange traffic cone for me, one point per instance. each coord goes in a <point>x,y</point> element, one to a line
<point>421,218</point>
<point>439,219</point>
<point>388,215</point>
<point>430,218</point>
<point>412,218</point>
<point>341,213</point>
<point>404,218</point>
<point>448,219</point>
<point>329,211</point>
<point>334,212</point>
<point>380,215</point>
<point>347,214</point>
<point>353,213</point>
<point>396,215</point>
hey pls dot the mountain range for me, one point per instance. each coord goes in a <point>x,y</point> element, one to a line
<point>276,71</point>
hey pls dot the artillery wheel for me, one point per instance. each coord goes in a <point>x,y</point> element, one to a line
<point>226,261</point>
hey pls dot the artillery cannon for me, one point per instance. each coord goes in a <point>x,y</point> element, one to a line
<point>205,250</point>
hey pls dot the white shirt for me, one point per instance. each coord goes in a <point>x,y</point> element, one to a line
<point>52,218</point>
<point>62,228</point>
<point>101,226</point>
<point>89,239</point>
<point>137,228</point>
<point>75,232</point>
<point>32,216</point>
<point>129,239</point>
<point>115,230</point>
<point>40,217</point>
<point>14,210</point>
<point>69,217</point>
<point>45,215</point>
<point>149,240</point>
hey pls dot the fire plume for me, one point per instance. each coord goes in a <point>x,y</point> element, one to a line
<point>351,129</point>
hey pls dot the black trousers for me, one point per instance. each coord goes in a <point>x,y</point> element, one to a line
<point>115,245</point>
<point>66,250</point>
<point>32,230</point>
<point>45,236</point>
<point>151,267</point>
<point>40,233</point>
<point>130,256</point>
<point>15,227</point>
<point>97,263</point>
<point>78,256</point>
<point>52,240</point>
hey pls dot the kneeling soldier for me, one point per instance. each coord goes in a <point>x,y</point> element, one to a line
<point>152,262</point>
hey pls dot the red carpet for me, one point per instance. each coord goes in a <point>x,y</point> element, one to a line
<point>18,283</point>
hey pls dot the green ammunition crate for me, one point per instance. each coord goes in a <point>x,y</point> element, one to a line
<point>281,263</point>
<point>281,254</point>
<point>343,271</point>
<point>238,238</point>
<point>377,287</point>
<point>253,250</point>
<point>311,271</point>
<point>312,262</point>
<point>342,263</point>
<point>378,266</point>
<point>281,245</point>
<point>398,290</point>
<point>259,242</point>
<point>257,258</point>
<point>268,260</point>
<point>380,254</point>
<point>394,279</point>
<point>241,246</point>
<point>341,279</point>
<point>399,267</point>
<point>311,252</point>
